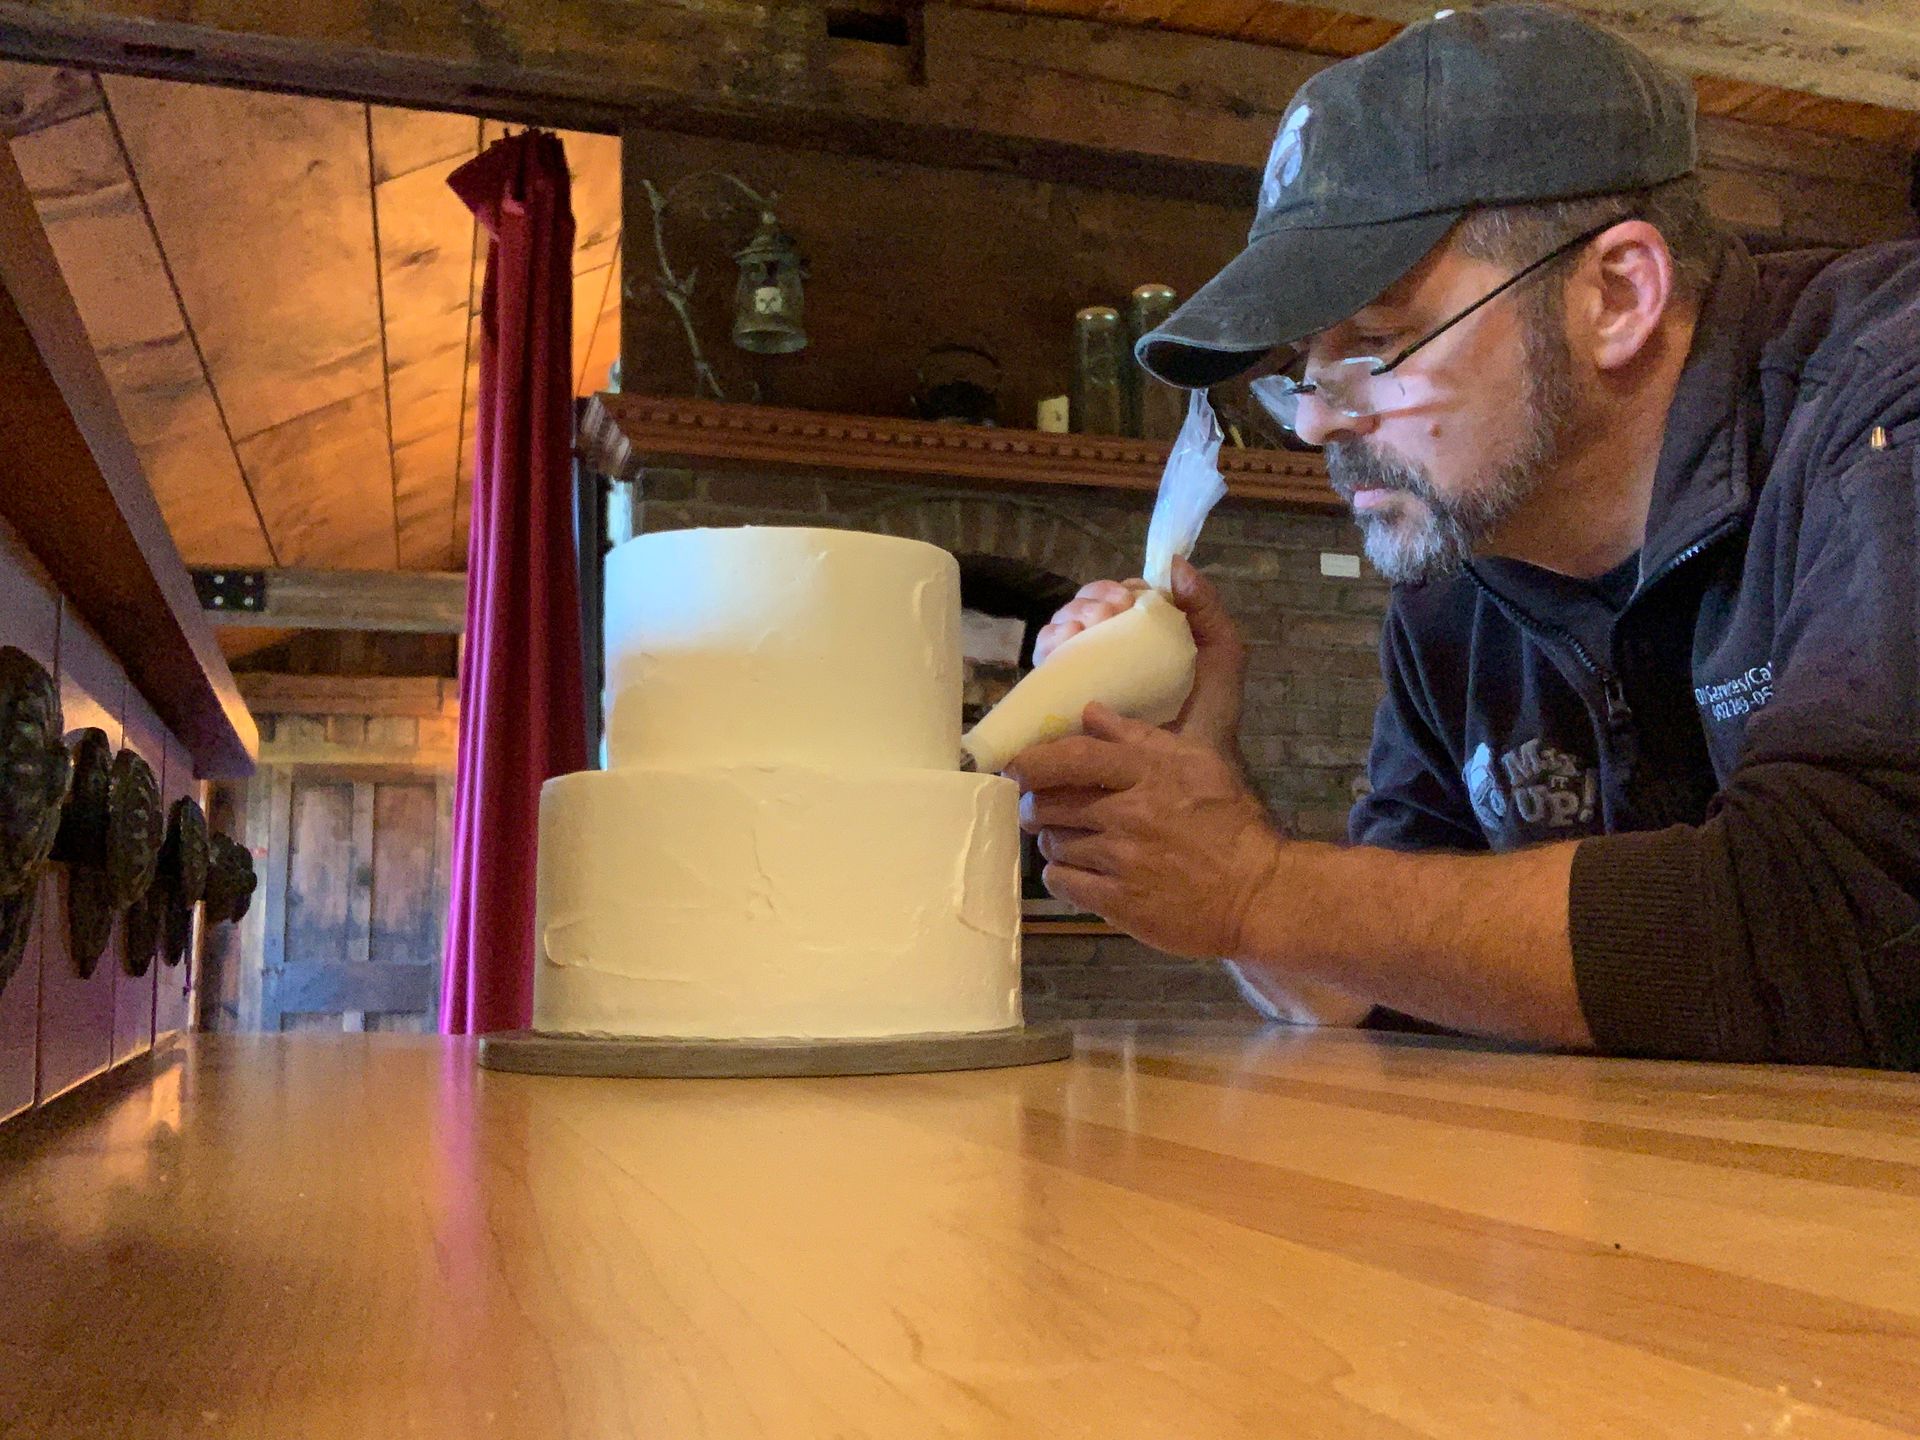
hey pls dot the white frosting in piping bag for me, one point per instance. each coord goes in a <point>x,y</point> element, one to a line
<point>1140,663</point>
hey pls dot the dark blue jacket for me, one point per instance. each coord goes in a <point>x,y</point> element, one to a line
<point>1736,727</point>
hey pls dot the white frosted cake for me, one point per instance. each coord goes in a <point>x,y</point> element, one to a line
<point>782,845</point>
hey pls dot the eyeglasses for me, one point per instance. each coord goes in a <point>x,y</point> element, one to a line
<point>1361,386</point>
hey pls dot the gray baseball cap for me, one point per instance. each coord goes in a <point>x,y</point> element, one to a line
<point>1379,155</point>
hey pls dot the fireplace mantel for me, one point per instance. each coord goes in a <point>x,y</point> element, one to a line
<point>621,435</point>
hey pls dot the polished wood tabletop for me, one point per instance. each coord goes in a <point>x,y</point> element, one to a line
<point>1206,1233</point>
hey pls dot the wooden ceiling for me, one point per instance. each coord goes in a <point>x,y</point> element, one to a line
<point>1326,31</point>
<point>282,288</point>
<point>283,295</point>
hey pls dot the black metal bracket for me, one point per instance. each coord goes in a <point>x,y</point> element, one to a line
<point>231,589</point>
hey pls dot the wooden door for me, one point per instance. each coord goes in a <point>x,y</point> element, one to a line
<point>353,921</point>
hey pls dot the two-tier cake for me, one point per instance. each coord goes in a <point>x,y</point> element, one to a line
<point>782,845</point>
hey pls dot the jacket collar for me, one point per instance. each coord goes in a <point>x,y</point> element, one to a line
<point>1703,478</point>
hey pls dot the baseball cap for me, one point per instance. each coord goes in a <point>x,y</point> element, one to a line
<point>1378,156</point>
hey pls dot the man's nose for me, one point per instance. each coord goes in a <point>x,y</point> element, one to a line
<point>1320,424</point>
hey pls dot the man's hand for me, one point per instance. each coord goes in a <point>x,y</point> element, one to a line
<point>1150,830</point>
<point>1212,711</point>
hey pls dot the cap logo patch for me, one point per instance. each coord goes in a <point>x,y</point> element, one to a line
<point>1286,157</point>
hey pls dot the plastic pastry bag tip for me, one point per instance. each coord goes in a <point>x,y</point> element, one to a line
<point>1189,489</point>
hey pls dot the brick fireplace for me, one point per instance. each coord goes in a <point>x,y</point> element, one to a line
<point>1313,673</point>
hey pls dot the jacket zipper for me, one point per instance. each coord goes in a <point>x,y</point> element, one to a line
<point>1693,551</point>
<point>1619,714</point>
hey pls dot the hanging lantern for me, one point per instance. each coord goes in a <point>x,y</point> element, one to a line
<point>767,302</point>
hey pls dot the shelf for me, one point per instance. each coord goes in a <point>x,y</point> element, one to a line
<point>620,435</point>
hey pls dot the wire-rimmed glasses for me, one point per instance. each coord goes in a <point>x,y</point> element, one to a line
<point>1360,386</point>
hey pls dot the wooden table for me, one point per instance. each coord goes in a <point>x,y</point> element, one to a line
<point>1179,1233</point>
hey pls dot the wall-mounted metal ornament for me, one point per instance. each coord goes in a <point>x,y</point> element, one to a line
<point>90,912</point>
<point>34,772</point>
<point>177,929</point>
<point>136,827</point>
<point>182,875</point>
<point>81,846</point>
<point>34,769</point>
<point>230,880</point>
<point>140,936</point>
<point>185,852</point>
<point>82,837</point>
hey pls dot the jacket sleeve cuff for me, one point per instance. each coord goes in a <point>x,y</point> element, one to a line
<point>1643,954</point>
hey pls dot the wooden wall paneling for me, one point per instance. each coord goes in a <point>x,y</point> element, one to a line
<point>243,948</point>
<point>133,996</point>
<point>277,783</point>
<point>216,978</point>
<point>263,205</point>
<point>359,877</point>
<point>403,841</point>
<point>29,621</point>
<point>98,228</point>
<point>442,875</point>
<point>78,1016</point>
<point>325,880</point>
<point>416,695</point>
<point>901,258</point>
<point>426,255</point>
<point>173,985</point>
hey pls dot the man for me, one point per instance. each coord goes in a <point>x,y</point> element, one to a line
<point>1646,776</point>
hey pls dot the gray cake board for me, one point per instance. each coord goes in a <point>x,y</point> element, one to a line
<point>533,1052</point>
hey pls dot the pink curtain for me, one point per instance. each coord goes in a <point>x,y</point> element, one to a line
<point>521,698</point>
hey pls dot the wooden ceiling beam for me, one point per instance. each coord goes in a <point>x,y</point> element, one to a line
<point>1156,112</point>
<point>1113,106</point>
<point>422,602</point>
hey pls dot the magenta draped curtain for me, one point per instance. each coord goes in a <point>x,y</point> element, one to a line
<point>521,697</point>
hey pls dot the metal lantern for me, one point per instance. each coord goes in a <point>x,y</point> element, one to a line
<point>767,303</point>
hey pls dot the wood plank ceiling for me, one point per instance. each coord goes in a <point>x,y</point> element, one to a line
<point>282,289</point>
<point>283,293</point>
<point>1325,31</point>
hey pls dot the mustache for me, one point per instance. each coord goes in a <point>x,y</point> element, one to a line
<point>1352,467</point>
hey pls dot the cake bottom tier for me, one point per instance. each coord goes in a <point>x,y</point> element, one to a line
<point>767,901</point>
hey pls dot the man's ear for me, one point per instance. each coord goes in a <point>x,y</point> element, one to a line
<point>1617,299</point>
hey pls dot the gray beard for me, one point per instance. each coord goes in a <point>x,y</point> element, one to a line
<point>1432,535</point>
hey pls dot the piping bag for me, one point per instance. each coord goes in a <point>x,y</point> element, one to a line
<point>1139,663</point>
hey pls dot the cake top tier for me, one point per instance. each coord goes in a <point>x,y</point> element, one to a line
<point>762,645</point>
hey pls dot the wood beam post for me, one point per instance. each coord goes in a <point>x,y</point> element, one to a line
<point>427,602</point>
